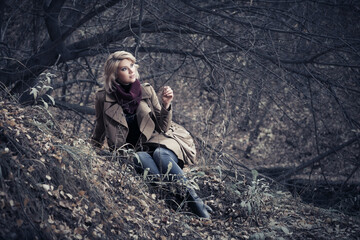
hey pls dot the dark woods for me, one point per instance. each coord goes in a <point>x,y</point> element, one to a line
<point>270,84</point>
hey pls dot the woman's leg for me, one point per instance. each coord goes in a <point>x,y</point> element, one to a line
<point>162,158</point>
<point>146,161</point>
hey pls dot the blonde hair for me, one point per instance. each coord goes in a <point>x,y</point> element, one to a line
<point>112,65</point>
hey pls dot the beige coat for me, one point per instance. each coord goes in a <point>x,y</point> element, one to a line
<point>111,122</point>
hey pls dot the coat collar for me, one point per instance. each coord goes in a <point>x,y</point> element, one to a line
<point>115,111</point>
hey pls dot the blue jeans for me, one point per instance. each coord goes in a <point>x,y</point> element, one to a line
<point>158,163</point>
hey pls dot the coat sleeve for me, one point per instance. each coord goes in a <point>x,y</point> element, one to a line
<point>98,135</point>
<point>163,116</point>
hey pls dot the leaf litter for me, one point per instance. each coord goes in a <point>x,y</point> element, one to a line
<point>55,186</point>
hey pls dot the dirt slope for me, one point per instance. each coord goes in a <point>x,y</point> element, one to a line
<point>55,186</point>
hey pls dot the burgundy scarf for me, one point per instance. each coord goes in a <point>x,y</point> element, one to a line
<point>130,98</point>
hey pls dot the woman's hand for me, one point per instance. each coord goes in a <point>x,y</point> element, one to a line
<point>167,96</point>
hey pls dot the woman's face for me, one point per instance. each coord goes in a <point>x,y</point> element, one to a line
<point>126,72</point>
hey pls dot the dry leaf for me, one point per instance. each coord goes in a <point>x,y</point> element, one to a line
<point>31,169</point>
<point>46,187</point>
<point>51,220</point>
<point>81,193</point>
<point>69,195</point>
<point>78,236</point>
<point>26,201</point>
<point>19,222</point>
<point>11,123</point>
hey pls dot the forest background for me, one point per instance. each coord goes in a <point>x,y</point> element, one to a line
<point>266,85</point>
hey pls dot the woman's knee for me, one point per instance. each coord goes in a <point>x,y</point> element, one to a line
<point>140,158</point>
<point>163,157</point>
<point>144,160</point>
<point>161,154</point>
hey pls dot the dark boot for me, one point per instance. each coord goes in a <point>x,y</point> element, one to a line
<point>196,205</point>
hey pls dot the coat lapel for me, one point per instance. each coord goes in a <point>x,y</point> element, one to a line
<point>114,110</point>
<point>146,124</point>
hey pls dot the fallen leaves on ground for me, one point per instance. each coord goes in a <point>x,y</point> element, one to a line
<point>55,186</point>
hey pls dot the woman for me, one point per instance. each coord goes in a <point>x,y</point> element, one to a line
<point>129,113</point>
